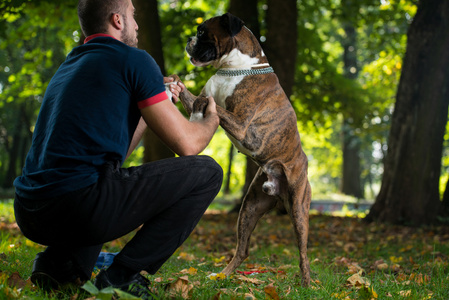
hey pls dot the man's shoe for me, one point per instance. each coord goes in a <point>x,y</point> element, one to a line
<point>136,285</point>
<point>49,275</point>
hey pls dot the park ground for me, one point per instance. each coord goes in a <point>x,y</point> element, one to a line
<point>349,259</point>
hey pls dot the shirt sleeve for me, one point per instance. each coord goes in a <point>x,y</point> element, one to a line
<point>148,81</point>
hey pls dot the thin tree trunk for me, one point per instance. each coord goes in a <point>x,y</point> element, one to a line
<point>351,173</point>
<point>410,184</point>
<point>227,186</point>
<point>150,40</point>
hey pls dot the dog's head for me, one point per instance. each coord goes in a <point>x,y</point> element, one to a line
<point>217,37</point>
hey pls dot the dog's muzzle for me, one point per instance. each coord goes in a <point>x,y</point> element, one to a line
<point>191,43</point>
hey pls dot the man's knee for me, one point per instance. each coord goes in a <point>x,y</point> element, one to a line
<point>216,170</point>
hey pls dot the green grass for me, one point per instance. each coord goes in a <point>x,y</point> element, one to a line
<point>389,262</point>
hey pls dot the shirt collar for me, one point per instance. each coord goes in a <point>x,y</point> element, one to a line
<point>91,37</point>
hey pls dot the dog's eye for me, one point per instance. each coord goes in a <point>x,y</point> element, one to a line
<point>200,33</point>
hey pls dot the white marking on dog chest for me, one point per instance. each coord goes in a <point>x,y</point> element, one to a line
<point>221,87</point>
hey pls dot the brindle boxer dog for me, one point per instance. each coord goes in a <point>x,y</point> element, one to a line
<point>260,121</point>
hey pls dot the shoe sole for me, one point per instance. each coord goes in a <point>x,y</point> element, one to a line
<point>44,281</point>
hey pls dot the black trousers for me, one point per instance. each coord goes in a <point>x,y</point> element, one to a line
<point>167,197</point>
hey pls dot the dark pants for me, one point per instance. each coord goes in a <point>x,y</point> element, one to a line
<point>167,197</point>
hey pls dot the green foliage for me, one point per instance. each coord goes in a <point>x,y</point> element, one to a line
<point>38,35</point>
<point>324,95</point>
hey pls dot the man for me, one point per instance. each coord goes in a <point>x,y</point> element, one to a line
<point>73,194</point>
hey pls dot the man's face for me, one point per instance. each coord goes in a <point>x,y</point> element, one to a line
<point>129,33</point>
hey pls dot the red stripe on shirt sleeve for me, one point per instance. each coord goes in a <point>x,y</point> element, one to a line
<point>152,100</point>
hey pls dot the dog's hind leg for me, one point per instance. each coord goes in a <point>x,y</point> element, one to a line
<point>299,203</point>
<point>255,204</point>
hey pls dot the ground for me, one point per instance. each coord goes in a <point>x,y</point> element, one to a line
<point>349,260</point>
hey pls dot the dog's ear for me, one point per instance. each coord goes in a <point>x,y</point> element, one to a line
<point>231,23</point>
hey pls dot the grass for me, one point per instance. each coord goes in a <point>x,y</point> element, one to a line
<point>349,260</point>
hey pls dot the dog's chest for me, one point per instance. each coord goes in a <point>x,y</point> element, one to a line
<point>221,87</point>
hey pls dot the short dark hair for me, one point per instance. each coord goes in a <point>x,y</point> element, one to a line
<point>94,14</point>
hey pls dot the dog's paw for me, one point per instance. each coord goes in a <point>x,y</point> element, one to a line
<point>199,109</point>
<point>168,91</point>
<point>175,77</point>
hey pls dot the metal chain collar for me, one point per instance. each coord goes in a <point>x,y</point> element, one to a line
<point>231,73</point>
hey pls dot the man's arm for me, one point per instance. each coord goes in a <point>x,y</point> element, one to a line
<point>182,136</point>
<point>175,89</point>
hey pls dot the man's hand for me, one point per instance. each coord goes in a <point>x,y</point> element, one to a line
<point>175,88</point>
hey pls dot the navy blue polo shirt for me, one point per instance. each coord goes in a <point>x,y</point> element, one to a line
<point>88,116</point>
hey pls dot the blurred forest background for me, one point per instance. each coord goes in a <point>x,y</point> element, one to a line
<point>366,78</point>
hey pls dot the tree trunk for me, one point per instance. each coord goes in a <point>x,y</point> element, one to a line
<point>350,183</point>
<point>409,192</point>
<point>247,11</point>
<point>282,36</point>
<point>150,40</point>
<point>227,185</point>
<point>11,174</point>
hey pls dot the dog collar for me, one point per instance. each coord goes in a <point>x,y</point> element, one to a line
<point>232,73</point>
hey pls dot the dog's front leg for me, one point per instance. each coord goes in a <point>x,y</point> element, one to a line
<point>186,97</point>
<point>235,125</point>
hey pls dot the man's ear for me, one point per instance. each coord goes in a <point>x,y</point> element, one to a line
<point>117,21</point>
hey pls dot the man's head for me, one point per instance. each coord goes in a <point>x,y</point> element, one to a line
<point>115,17</point>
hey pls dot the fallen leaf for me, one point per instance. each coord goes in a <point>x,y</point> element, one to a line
<point>270,291</point>
<point>190,271</point>
<point>357,281</point>
<point>219,260</point>
<point>395,259</point>
<point>401,277</point>
<point>418,278</point>
<point>367,293</point>
<point>395,267</point>
<point>217,296</point>
<point>181,287</point>
<point>349,247</point>
<point>186,256</point>
<point>342,295</point>
<point>354,268</point>
<point>382,266</point>
<point>16,281</point>
<point>407,293</point>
